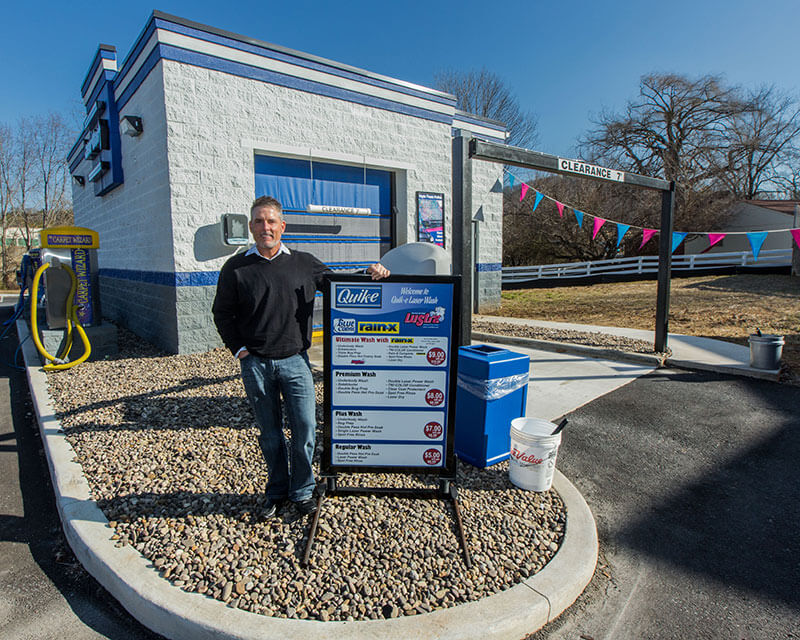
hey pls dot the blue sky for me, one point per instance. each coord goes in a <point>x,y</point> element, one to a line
<point>565,60</point>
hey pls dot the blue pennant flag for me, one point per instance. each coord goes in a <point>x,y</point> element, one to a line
<point>677,238</point>
<point>511,181</point>
<point>622,229</point>
<point>536,202</point>
<point>756,240</point>
<point>579,216</point>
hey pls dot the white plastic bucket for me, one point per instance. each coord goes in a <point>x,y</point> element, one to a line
<point>533,453</point>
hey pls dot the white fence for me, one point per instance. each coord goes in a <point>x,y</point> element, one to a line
<point>646,264</point>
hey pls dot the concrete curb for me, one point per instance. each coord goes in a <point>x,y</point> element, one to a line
<point>177,614</point>
<point>626,356</point>
<point>734,370</point>
<point>579,349</point>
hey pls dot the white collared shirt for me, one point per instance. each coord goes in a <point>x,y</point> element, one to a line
<point>254,249</point>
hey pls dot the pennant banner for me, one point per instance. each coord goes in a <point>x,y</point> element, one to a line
<point>677,238</point>
<point>622,229</point>
<point>714,238</point>
<point>646,235</point>
<point>598,224</point>
<point>756,240</point>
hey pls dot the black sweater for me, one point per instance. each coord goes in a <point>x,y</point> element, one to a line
<point>267,306</point>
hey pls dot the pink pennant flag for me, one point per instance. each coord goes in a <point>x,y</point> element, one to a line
<point>523,190</point>
<point>714,238</point>
<point>646,235</point>
<point>560,208</point>
<point>598,223</point>
<point>796,235</point>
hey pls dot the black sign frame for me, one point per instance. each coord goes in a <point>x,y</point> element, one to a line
<point>448,469</point>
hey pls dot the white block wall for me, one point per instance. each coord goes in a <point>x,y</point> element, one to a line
<point>217,122</point>
<point>134,220</point>
<point>195,161</point>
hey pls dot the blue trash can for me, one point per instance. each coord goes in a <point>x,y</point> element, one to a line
<point>492,391</point>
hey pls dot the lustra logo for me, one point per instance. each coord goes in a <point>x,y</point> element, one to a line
<point>364,296</point>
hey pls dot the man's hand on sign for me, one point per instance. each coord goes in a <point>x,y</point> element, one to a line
<point>378,271</point>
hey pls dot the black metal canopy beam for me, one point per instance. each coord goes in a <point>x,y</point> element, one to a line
<point>519,157</point>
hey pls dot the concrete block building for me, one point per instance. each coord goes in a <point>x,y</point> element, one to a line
<point>196,122</point>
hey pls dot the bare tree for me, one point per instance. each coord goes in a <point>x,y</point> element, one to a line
<point>675,129</point>
<point>51,139</point>
<point>33,182</point>
<point>6,194</point>
<point>485,94</point>
<point>26,181</point>
<point>759,144</point>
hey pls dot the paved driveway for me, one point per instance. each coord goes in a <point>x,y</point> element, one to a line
<point>694,481</point>
<point>46,594</point>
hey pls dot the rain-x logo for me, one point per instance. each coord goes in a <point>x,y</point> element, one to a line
<point>362,296</point>
<point>379,327</point>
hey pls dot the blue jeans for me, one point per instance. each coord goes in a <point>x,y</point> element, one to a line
<point>265,380</point>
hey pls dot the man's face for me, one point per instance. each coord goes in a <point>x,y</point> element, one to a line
<point>266,225</point>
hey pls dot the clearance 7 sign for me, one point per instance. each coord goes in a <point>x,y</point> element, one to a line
<point>390,374</point>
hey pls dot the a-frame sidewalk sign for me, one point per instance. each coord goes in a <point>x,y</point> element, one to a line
<point>390,367</point>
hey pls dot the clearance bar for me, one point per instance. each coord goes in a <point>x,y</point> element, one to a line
<point>505,154</point>
<point>590,170</point>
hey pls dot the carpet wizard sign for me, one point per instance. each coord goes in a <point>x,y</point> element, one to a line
<point>390,350</point>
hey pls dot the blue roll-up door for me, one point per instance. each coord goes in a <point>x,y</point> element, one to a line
<point>343,241</point>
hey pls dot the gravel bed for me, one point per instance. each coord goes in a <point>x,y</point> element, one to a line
<point>168,446</point>
<point>591,339</point>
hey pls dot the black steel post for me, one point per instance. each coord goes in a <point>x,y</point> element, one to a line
<point>664,267</point>
<point>462,230</point>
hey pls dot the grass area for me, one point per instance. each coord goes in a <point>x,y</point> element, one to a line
<point>724,307</point>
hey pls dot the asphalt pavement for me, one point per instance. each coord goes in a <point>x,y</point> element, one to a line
<point>693,482</point>
<point>691,476</point>
<point>46,593</point>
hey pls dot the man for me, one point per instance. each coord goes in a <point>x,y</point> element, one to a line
<point>263,312</point>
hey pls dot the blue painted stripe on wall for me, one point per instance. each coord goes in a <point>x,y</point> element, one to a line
<point>488,266</point>
<point>164,278</point>
<point>106,76</point>
<point>300,84</point>
<point>298,61</point>
<point>473,119</point>
<point>73,167</point>
<point>132,56</point>
<point>98,57</point>
<point>177,54</point>
<point>139,78</point>
<point>481,136</point>
<point>150,277</point>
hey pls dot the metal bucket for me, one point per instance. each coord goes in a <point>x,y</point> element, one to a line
<point>766,351</point>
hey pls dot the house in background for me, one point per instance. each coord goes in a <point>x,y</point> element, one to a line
<point>751,215</point>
